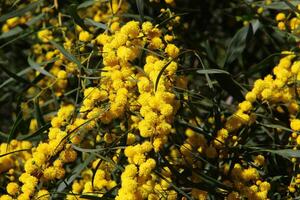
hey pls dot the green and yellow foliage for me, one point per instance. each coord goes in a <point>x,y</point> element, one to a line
<point>133,100</point>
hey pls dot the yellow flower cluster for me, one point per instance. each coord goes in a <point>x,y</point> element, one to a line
<point>9,161</point>
<point>278,92</point>
<point>130,89</point>
<point>96,183</point>
<point>38,165</point>
<point>269,90</point>
<point>289,21</point>
<point>13,22</point>
<point>144,94</point>
<point>132,98</point>
<point>122,118</point>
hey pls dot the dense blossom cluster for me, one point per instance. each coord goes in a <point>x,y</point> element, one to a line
<point>277,91</point>
<point>139,98</point>
<point>116,125</point>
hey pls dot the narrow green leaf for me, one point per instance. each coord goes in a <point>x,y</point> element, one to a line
<point>86,4</point>
<point>14,76</point>
<point>163,23</point>
<point>3,136</point>
<point>18,74</point>
<point>238,44</point>
<point>91,197</point>
<point>41,76</point>
<point>14,128</point>
<point>230,85</point>
<point>277,126</point>
<point>133,16</point>
<point>204,68</point>
<point>197,129</point>
<point>214,182</point>
<point>69,56</point>
<point>20,12</point>
<point>277,5</point>
<point>15,3</point>
<point>25,34</point>
<point>87,150</point>
<point>75,173</point>
<point>109,195</point>
<point>208,49</point>
<point>160,74</point>
<point>38,68</point>
<point>35,19</point>
<point>12,152</point>
<point>12,32</point>
<point>38,134</point>
<point>179,190</point>
<point>111,6</point>
<point>38,113</point>
<point>140,7</point>
<point>211,71</point>
<point>98,25</point>
<point>165,67</point>
<point>77,19</point>
<point>255,25</point>
<point>261,65</point>
<point>292,6</point>
<point>286,153</point>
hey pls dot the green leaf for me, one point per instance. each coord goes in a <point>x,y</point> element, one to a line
<point>35,19</point>
<point>163,23</point>
<point>25,34</point>
<point>239,41</point>
<point>3,136</point>
<point>41,76</point>
<point>14,76</point>
<point>14,128</point>
<point>255,25</point>
<point>140,7</point>
<point>38,134</point>
<point>230,85</point>
<point>69,56</point>
<point>178,189</point>
<point>292,6</point>
<point>38,68</point>
<point>210,84</point>
<point>160,74</point>
<point>111,6</point>
<point>77,19</point>
<point>12,152</point>
<point>261,65</point>
<point>133,16</point>
<point>165,67</point>
<point>110,194</point>
<point>98,25</point>
<point>286,153</point>
<point>213,182</point>
<point>91,197</point>
<point>87,150</point>
<point>86,4</point>
<point>75,173</point>
<point>212,71</point>
<point>237,44</point>
<point>276,126</point>
<point>12,32</point>
<point>18,74</point>
<point>21,11</point>
<point>38,113</point>
<point>277,5</point>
